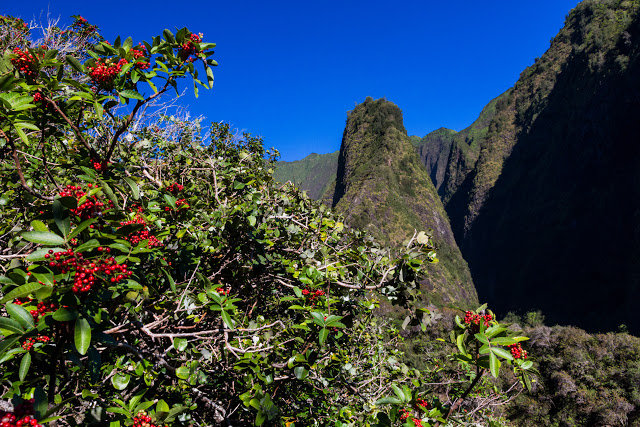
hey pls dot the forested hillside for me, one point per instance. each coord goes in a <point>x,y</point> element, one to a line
<point>552,203</point>
<point>382,187</point>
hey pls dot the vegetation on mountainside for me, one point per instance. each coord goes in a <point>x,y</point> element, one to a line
<point>450,156</point>
<point>155,276</point>
<point>382,187</point>
<point>315,174</point>
<point>557,174</point>
<point>585,379</point>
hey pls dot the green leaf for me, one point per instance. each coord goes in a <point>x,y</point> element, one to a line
<point>179,344</point>
<point>494,365</point>
<point>39,226</point>
<point>482,338</point>
<point>227,319</point>
<point>8,342</point>
<point>182,372</point>
<point>168,35</point>
<point>21,315</point>
<point>109,193</point>
<point>21,291</point>
<point>172,283</point>
<point>120,381</point>
<point>24,366</point>
<point>75,64</point>
<point>46,278</point>
<point>398,392</point>
<point>460,344</point>
<point>503,341</point>
<point>11,326</point>
<point>526,365</point>
<point>388,401</point>
<point>42,237</point>
<point>318,318</point>
<point>209,77</point>
<point>91,244</point>
<point>64,314</point>
<point>128,93</point>
<point>301,372</point>
<point>38,254</point>
<point>162,406</point>
<point>82,226</point>
<point>41,405</point>
<point>499,351</point>
<point>494,330</point>
<point>134,187</point>
<point>61,218</point>
<point>82,335</point>
<point>21,134</point>
<point>324,333</point>
<point>127,44</point>
<point>482,307</point>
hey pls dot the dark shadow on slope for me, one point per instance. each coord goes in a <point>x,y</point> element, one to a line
<point>560,229</point>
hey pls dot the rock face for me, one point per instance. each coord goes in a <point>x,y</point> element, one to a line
<point>450,156</point>
<point>381,186</point>
<point>549,216</point>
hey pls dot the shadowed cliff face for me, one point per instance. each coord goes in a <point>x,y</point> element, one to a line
<point>382,187</point>
<point>549,217</point>
<point>450,156</point>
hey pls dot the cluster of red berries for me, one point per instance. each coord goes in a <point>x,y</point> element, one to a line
<point>85,270</point>
<point>475,319</point>
<point>41,309</point>
<point>138,52</point>
<point>15,23</point>
<point>312,295</point>
<point>37,97</point>
<point>105,71</point>
<point>22,416</point>
<point>27,345</point>
<point>405,414</point>
<point>91,208</point>
<point>82,27</point>
<point>143,420</point>
<point>417,422</point>
<point>98,166</point>
<point>141,235</point>
<point>188,48</point>
<point>423,403</point>
<point>180,204</point>
<point>517,352</point>
<point>174,188</point>
<point>25,62</point>
<point>223,291</point>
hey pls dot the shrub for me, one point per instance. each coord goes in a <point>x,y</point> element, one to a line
<point>154,274</point>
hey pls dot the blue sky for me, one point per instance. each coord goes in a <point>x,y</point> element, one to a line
<point>290,70</point>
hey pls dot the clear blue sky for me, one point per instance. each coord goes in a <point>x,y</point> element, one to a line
<point>290,70</point>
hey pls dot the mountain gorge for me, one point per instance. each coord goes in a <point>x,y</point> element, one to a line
<point>548,217</point>
<point>542,189</point>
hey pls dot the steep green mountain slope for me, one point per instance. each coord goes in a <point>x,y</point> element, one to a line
<point>449,156</point>
<point>381,186</point>
<point>314,174</point>
<point>549,217</point>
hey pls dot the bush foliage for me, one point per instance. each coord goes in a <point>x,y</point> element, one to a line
<point>152,272</point>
